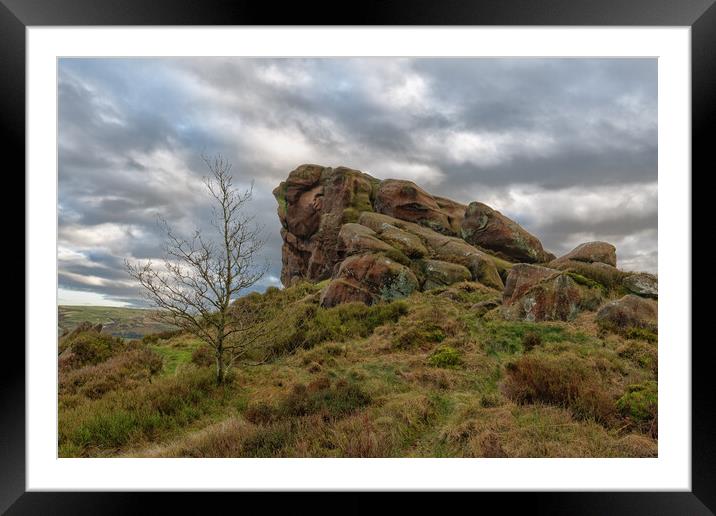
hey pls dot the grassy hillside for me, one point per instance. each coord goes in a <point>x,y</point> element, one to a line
<point>433,375</point>
<point>129,323</point>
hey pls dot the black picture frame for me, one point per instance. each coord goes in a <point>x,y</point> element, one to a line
<point>700,15</point>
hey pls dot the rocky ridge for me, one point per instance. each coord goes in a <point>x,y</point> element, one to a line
<point>384,239</point>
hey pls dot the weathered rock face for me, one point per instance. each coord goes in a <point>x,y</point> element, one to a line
<point>592,252</point>
<point>607,275</point>
<point>378,239</point>
<point>523,277</point>
<point>313,203</point>
<point>630,311</point>
<point>642,284</point>
<point>368,278</point>
<point>487,228</point>
<point>535,293</point>
<point>440,274</point>
<point>428,243</point>
<point>407,201</point>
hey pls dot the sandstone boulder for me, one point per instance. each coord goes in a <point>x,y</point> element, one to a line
<point>483,267</point>
<point>523,277</point>
<point>313,203</point>
<point>389,230</point>
<point>487,228</point>
<point>481,308</point>
<point>355,238</point>
<point>642,284</point>
<point>534,293</point>
<point>630,311</point>
<point>441,274</point>
<point>606,275</point>
<point>344,291</point>
<point>407,201</point>
<point>455,212</point>
<point>369,278</point>
<point>591,252</point>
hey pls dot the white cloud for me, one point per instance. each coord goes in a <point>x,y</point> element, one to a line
<point>84,298</point>
<point>488,149</point>
<point>593,205</point>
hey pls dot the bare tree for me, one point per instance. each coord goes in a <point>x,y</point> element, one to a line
<point>201,276</point>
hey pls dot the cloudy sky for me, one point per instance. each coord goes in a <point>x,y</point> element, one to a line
<point>567,147</point>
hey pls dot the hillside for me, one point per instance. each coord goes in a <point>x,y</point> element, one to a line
<point>425,376</point>
<point>128,323</point>
<point>408,326</point>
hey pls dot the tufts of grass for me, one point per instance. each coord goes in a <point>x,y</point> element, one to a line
<point>203,356</point>
<point>531,340</point>
<point>267,441</point>
<point>498,336</point>
<point>640,353</point>
<point>639,404</point>
<point>351,320</point>
<point>445,356</point>
<point>123,371</point>
<point>320,397</point>
<point>586,282</point>
<point>565,380</point>
<point>418,336</point>
<point>145,413</point>
<point>466,292</point>
<point>638,333</point>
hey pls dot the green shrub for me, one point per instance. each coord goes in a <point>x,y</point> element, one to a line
<point>640,404</point>
<point>341,400</point>
<point>531,340</point>
<point>637,333</point>
<point>92,348</point>
<point>445,356</point>
<point>267,441</point>
<point>333,402</point>
<point>125,370</point>
<point>203,356</point>
<point>260,413</point>
<point>350,320</point>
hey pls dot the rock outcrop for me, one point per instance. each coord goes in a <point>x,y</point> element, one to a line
<point>378,240</point>
<point>313,203</point>
<point>642,284</point>
<point>328,215</point>
<point>484,227</point>
<point>368,278</point>
<point>535,293</point>
<point>592,252</point>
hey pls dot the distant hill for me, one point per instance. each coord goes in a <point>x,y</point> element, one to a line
<point>128,323</point>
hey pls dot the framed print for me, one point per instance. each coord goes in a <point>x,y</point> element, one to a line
<point>404,252</point>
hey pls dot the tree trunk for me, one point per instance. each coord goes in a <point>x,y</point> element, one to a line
<point>219,365</point>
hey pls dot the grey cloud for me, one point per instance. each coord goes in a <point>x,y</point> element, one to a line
<point>132,131</point>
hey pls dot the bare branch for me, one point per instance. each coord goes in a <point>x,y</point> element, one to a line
<point>202,275</point>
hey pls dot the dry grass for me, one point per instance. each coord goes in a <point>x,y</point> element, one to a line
<point>369,385</point>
